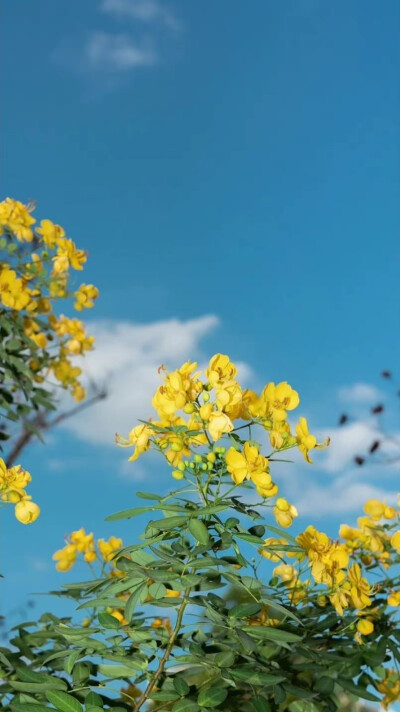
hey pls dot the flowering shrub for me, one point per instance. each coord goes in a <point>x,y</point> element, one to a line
<point>309,617</point>
<point>217,605</point>
<point>38,345</point>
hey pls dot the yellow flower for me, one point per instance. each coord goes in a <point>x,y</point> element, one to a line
<point>65,557</point>
<point>26,511</point>
<point>394,598</point>
<point>395,541</point>
<point>305,441</point>
<point>218,424</point>
<point>360,589</point>
<point>83,542</point>
<point>365,626</point>
<point>85,296</point>
<point>15,216</point>
<point>284,512</point>
<point>13,292</point>
<point>108,548</point>
<point>68,256</point>
<point>220,370</point>
<point>286,572</point>
<point>374,509</point>
<point>117,613</point>
<point>179,389</point>
<point>79,393</point>
<point>162,623</point>
<point>278,399</point>
<point>139,437</point>
<point>50,233</point>
<point>248,464</point>
<point>229,398</point>
<point>170,593</point>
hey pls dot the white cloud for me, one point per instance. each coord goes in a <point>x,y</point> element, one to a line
<point>346,442</point>
<point>359,394</point>
<point>340,497</point>
<point>117,53</point>
<point>144,10</point>
<point>125,361</point>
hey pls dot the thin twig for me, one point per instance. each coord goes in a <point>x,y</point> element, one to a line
<point>40,423</point>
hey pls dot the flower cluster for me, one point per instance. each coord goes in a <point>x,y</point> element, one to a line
<point>79,542</point>
<point>13,483</point>
<point>331,571</point>
<point>195,412</point>
<point>35,265</point>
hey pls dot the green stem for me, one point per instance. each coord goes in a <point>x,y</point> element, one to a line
<point>145,695</point>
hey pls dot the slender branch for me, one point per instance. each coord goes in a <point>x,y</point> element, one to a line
<point>144,696</point>
<point>40,423</point>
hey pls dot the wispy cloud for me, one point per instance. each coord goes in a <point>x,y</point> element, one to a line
<point>340,497</point>
<point>359,394</point>
<point>147,11</point>
<point>116,53</point>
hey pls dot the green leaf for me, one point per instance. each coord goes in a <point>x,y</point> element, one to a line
<point>127,514</point>
<point>281,609</point>
<point>244,610</point>
<point>181,686</point>
<point>225,658</point>
<point>212,697</point>
<point>256,678</point>
<point>107,620</point>
<point>357,690</point>
<point>185,706</point>
<point>276,634</point>
<point>63,701</point>
<point>302,706</point>
<point>116,671</point>
<point>157,590</point>
<point>168,523</point>
<point>260,704</point>
<point>148,495</point>
<point>71,660</point>
<point>134,599</point>
<point>164,696</point>
<point>199,530</point>
<point>54,683</point>
<point>93,699</point>
<point>324,685</point>
<point>28,707</point>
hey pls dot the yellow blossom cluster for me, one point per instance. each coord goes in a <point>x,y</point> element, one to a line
<point>390,688</point>
<point>35,264</point>
<point>196,410</point>
<point>13,483</point>
<point>336,566</point>
<point>79,542</point>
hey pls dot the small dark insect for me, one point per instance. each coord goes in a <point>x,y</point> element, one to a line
<point>377,409</point>
<point>359,460</point>
<point>343,419</point>
<point>374,446</point>
<point>386,374</point>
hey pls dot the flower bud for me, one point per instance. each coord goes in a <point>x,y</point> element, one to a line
<point>177,475</point>
<point>176,447</point>
<point>206,397</point>
<point>189,408</point>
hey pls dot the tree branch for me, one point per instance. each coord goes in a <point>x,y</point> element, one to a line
<point>40,422</point>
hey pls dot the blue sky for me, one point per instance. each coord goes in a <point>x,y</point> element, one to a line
<point>233,170</point>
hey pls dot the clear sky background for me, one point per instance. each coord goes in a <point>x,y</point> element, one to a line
<point>233,169</point>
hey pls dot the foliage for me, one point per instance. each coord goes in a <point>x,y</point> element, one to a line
<point>38,345</point>
<point>159,628</point>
